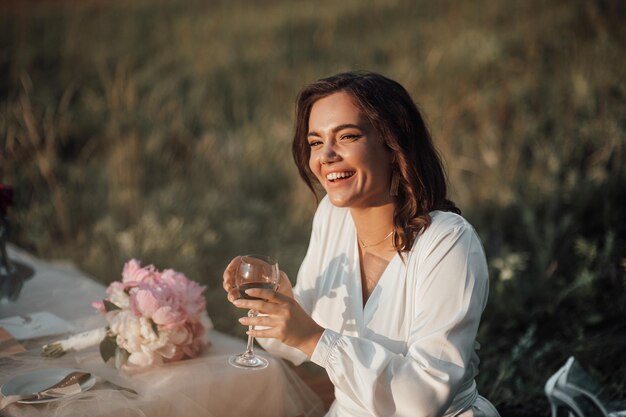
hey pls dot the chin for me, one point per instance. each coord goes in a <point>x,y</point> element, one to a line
<point>339,201</point>
<point>351,202</point>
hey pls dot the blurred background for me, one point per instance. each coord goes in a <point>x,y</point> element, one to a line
<point>161,130</point>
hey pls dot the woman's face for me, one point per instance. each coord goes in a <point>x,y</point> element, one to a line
<point>348,156</point>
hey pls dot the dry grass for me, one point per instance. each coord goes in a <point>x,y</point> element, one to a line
<point>160,130</point>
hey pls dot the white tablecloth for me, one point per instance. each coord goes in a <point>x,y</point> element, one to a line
<point>204,386</point>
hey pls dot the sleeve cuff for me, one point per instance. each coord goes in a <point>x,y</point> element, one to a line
<point>325,346</point>
<point>281,350</point>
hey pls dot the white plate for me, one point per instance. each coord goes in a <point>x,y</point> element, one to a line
<point>39,379</point>
<point>39,324</point>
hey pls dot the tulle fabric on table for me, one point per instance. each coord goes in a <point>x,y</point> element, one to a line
<point>205,386</point>
<point>210,386</point>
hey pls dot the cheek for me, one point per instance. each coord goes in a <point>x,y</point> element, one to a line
<point>313,165</point>
<point>380,164</point>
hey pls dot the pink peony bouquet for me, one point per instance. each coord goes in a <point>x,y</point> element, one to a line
<point>153,317</point>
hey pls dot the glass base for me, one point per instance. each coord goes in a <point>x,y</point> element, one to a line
<point>246,361</point>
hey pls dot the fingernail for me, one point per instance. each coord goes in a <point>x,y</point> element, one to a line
<point>238,302</point>
<point>241,320</point>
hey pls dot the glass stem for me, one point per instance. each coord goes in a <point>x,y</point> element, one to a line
<point>249,347</point>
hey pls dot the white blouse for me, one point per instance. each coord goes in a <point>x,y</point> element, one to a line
<point>410,350</point>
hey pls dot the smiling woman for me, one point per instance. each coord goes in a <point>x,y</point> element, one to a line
<point>390,294</point>
<point>347,155</point>
<point>388,114</point>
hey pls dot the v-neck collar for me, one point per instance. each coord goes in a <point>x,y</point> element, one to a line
<point>364,313</point>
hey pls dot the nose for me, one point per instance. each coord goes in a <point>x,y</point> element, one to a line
<point>328,153</point>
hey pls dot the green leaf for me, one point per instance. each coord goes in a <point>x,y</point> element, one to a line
<point>121,356</point>
<point>108,347</point>
<point>109,306</point>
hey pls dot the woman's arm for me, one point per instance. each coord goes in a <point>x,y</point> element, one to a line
<point>303,293</point>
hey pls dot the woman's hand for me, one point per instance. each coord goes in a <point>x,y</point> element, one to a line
<point>228,281</point>
<point>284,286</point>
<point>283,318</point>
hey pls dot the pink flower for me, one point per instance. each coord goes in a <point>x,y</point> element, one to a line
<point>162,315</point>
<point>134,273</point>
<point>169,318</point>
<point>145,303</point>
<point>188,293</point>
<point>198,330</point>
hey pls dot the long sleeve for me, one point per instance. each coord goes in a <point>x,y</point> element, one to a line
<point>449,296</point>
<point>304,294</point>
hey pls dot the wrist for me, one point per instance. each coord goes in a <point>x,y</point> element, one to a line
<point>310,343</point>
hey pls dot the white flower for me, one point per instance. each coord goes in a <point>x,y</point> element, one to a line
<point>120,299</point>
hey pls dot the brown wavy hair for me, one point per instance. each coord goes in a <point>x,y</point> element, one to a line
<point>391,111</point>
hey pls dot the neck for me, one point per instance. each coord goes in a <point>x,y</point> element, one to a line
<point>373,224</point>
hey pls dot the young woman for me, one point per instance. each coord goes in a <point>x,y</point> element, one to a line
<point>389,296</point>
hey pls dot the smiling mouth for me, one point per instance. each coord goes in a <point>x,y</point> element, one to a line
<point>338,176</point>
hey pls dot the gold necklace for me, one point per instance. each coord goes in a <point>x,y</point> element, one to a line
<point>375,244</point>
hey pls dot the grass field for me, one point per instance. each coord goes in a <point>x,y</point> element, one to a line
<point>161,130</point>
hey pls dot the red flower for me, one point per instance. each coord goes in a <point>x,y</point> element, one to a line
<point>6,198</point>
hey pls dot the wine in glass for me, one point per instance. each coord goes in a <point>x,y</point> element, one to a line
<point>254,271</point>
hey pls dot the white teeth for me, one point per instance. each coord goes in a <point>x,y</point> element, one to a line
<point>335,175</point>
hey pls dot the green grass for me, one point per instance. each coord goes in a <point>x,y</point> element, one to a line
<point>161,129</point>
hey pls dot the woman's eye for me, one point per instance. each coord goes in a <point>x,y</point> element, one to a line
<point>314,143</point>
<point>350,137</point>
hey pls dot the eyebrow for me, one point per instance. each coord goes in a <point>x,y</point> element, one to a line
<point>337,129</point>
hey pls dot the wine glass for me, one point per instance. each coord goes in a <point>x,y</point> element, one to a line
<point>254,271</point>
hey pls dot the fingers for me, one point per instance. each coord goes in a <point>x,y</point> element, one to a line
<point>269,302</point>
<point>265,297</point>
<point>263,326</point>
<point>229,274</point>
<point>263,320</point>
<point>233,295</point>
<point>262,333</point>
<point>258,305</point>
<point>284,285</point>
